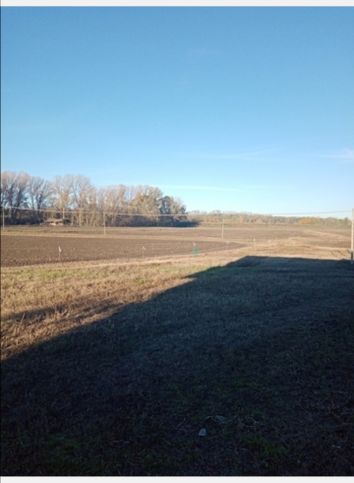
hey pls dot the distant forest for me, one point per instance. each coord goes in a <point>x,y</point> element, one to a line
<point>261,219</point>
<point>74,200</point>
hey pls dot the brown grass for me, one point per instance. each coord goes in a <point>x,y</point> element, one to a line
<point>56,299</point>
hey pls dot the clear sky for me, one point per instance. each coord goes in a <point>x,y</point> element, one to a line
<point>245,109</point>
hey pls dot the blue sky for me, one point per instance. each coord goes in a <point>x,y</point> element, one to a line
<point>245,109</point>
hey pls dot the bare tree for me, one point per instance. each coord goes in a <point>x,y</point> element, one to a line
<point>81,190</point>
<point>14,191</point>
<point>92,215</point>
<point>62,191</point>
<point>39,193</point>
<point>7,188</point>
<point>114,200</point>
<point>87,205</point>
<point>146,202</point>
<point>173,207</point>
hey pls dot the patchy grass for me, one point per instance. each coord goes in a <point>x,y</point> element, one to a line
<point>55,299</point>
<point>114,370</point>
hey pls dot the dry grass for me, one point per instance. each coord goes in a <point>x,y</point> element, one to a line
<point>113,368</point>
<point>59,297</point>
<point>55,299</point>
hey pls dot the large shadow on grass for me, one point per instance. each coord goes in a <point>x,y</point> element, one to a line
<point>245,369</point>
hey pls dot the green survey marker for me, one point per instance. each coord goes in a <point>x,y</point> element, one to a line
<point>195,249</point>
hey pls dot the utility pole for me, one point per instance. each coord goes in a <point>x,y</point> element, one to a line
<point>352,241</point>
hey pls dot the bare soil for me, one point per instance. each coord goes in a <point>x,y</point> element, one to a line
<point>28,250</point>
<point>27,246</point>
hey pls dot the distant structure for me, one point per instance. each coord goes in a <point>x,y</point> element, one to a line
<point>54,222</point>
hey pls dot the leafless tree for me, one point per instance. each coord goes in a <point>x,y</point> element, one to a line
<point>76,198</point>
<point>146,202</point>
<point>81,195</point>
<point>39,194</point>
<point>62,192</point>
<point>14,192</point>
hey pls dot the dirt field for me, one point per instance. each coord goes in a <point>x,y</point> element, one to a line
<point>28,250</point>
<point>233,361</point>
<point>27,246</point>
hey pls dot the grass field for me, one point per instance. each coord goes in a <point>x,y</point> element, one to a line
<point>237,360</point>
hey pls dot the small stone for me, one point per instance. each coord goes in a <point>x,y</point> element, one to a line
<point>202,432</point>
<point>220,419</point>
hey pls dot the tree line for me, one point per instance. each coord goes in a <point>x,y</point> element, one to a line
<point>73,199</point>
<point>237,218</point>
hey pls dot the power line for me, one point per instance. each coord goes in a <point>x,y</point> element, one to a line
<point>70,211</point>
<point>307,213</point>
